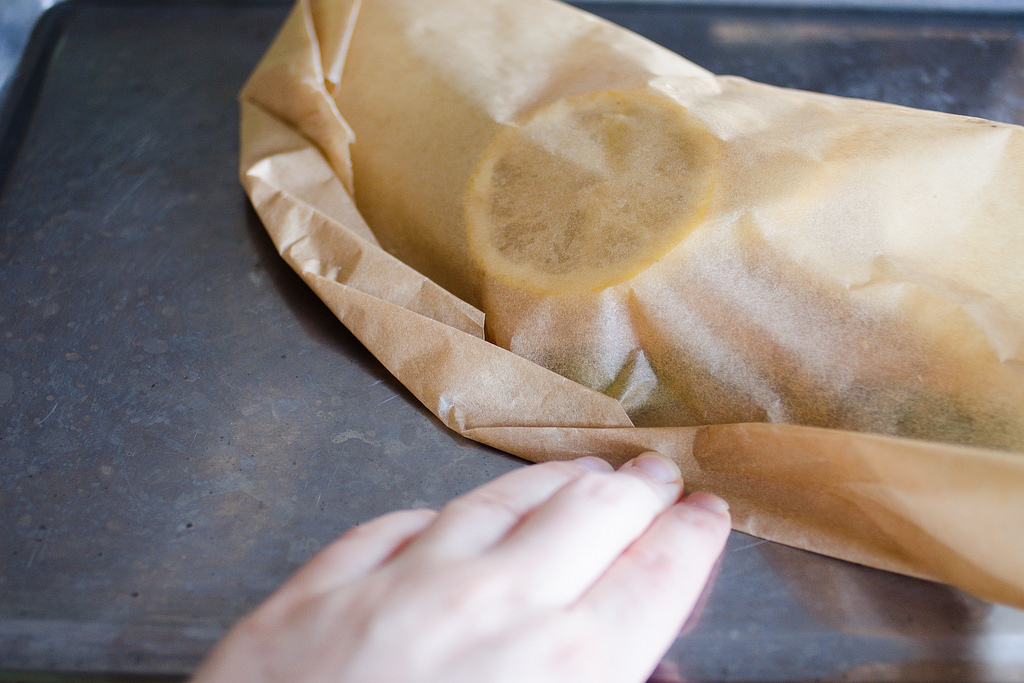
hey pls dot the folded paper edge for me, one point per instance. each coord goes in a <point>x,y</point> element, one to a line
<point>754,467</point>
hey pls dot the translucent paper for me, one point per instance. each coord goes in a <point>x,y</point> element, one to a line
<point>566,240</point>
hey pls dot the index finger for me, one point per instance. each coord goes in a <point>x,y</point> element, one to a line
<point>474,522</point>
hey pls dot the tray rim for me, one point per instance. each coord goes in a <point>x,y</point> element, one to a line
<point>20,91</point>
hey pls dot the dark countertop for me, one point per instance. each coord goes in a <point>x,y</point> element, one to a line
<point>183,423</point>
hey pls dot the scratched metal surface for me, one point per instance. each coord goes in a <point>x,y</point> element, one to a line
<point>182,423</point>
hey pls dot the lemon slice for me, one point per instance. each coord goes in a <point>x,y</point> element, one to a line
<point>588,191</point>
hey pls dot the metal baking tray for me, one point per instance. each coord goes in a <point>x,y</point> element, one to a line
<point>183,423</point>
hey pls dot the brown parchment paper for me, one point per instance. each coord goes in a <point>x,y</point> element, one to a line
<point>836,344</point>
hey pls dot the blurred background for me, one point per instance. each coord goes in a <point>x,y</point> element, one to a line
<point>17,17</point>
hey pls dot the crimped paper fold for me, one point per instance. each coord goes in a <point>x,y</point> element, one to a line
<point>825,333</point>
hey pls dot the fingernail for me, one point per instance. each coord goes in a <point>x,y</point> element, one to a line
<point>593,464</point>
<point>709,502</point>
<point>657,466</point>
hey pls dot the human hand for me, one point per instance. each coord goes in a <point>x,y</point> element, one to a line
<point>558,572</point>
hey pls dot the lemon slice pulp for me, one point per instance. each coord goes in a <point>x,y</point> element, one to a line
<point>588,191</point>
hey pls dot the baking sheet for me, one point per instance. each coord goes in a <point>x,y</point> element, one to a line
<point>182,422</point>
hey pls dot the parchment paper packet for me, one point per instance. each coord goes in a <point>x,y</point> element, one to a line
<point>814,304</point>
